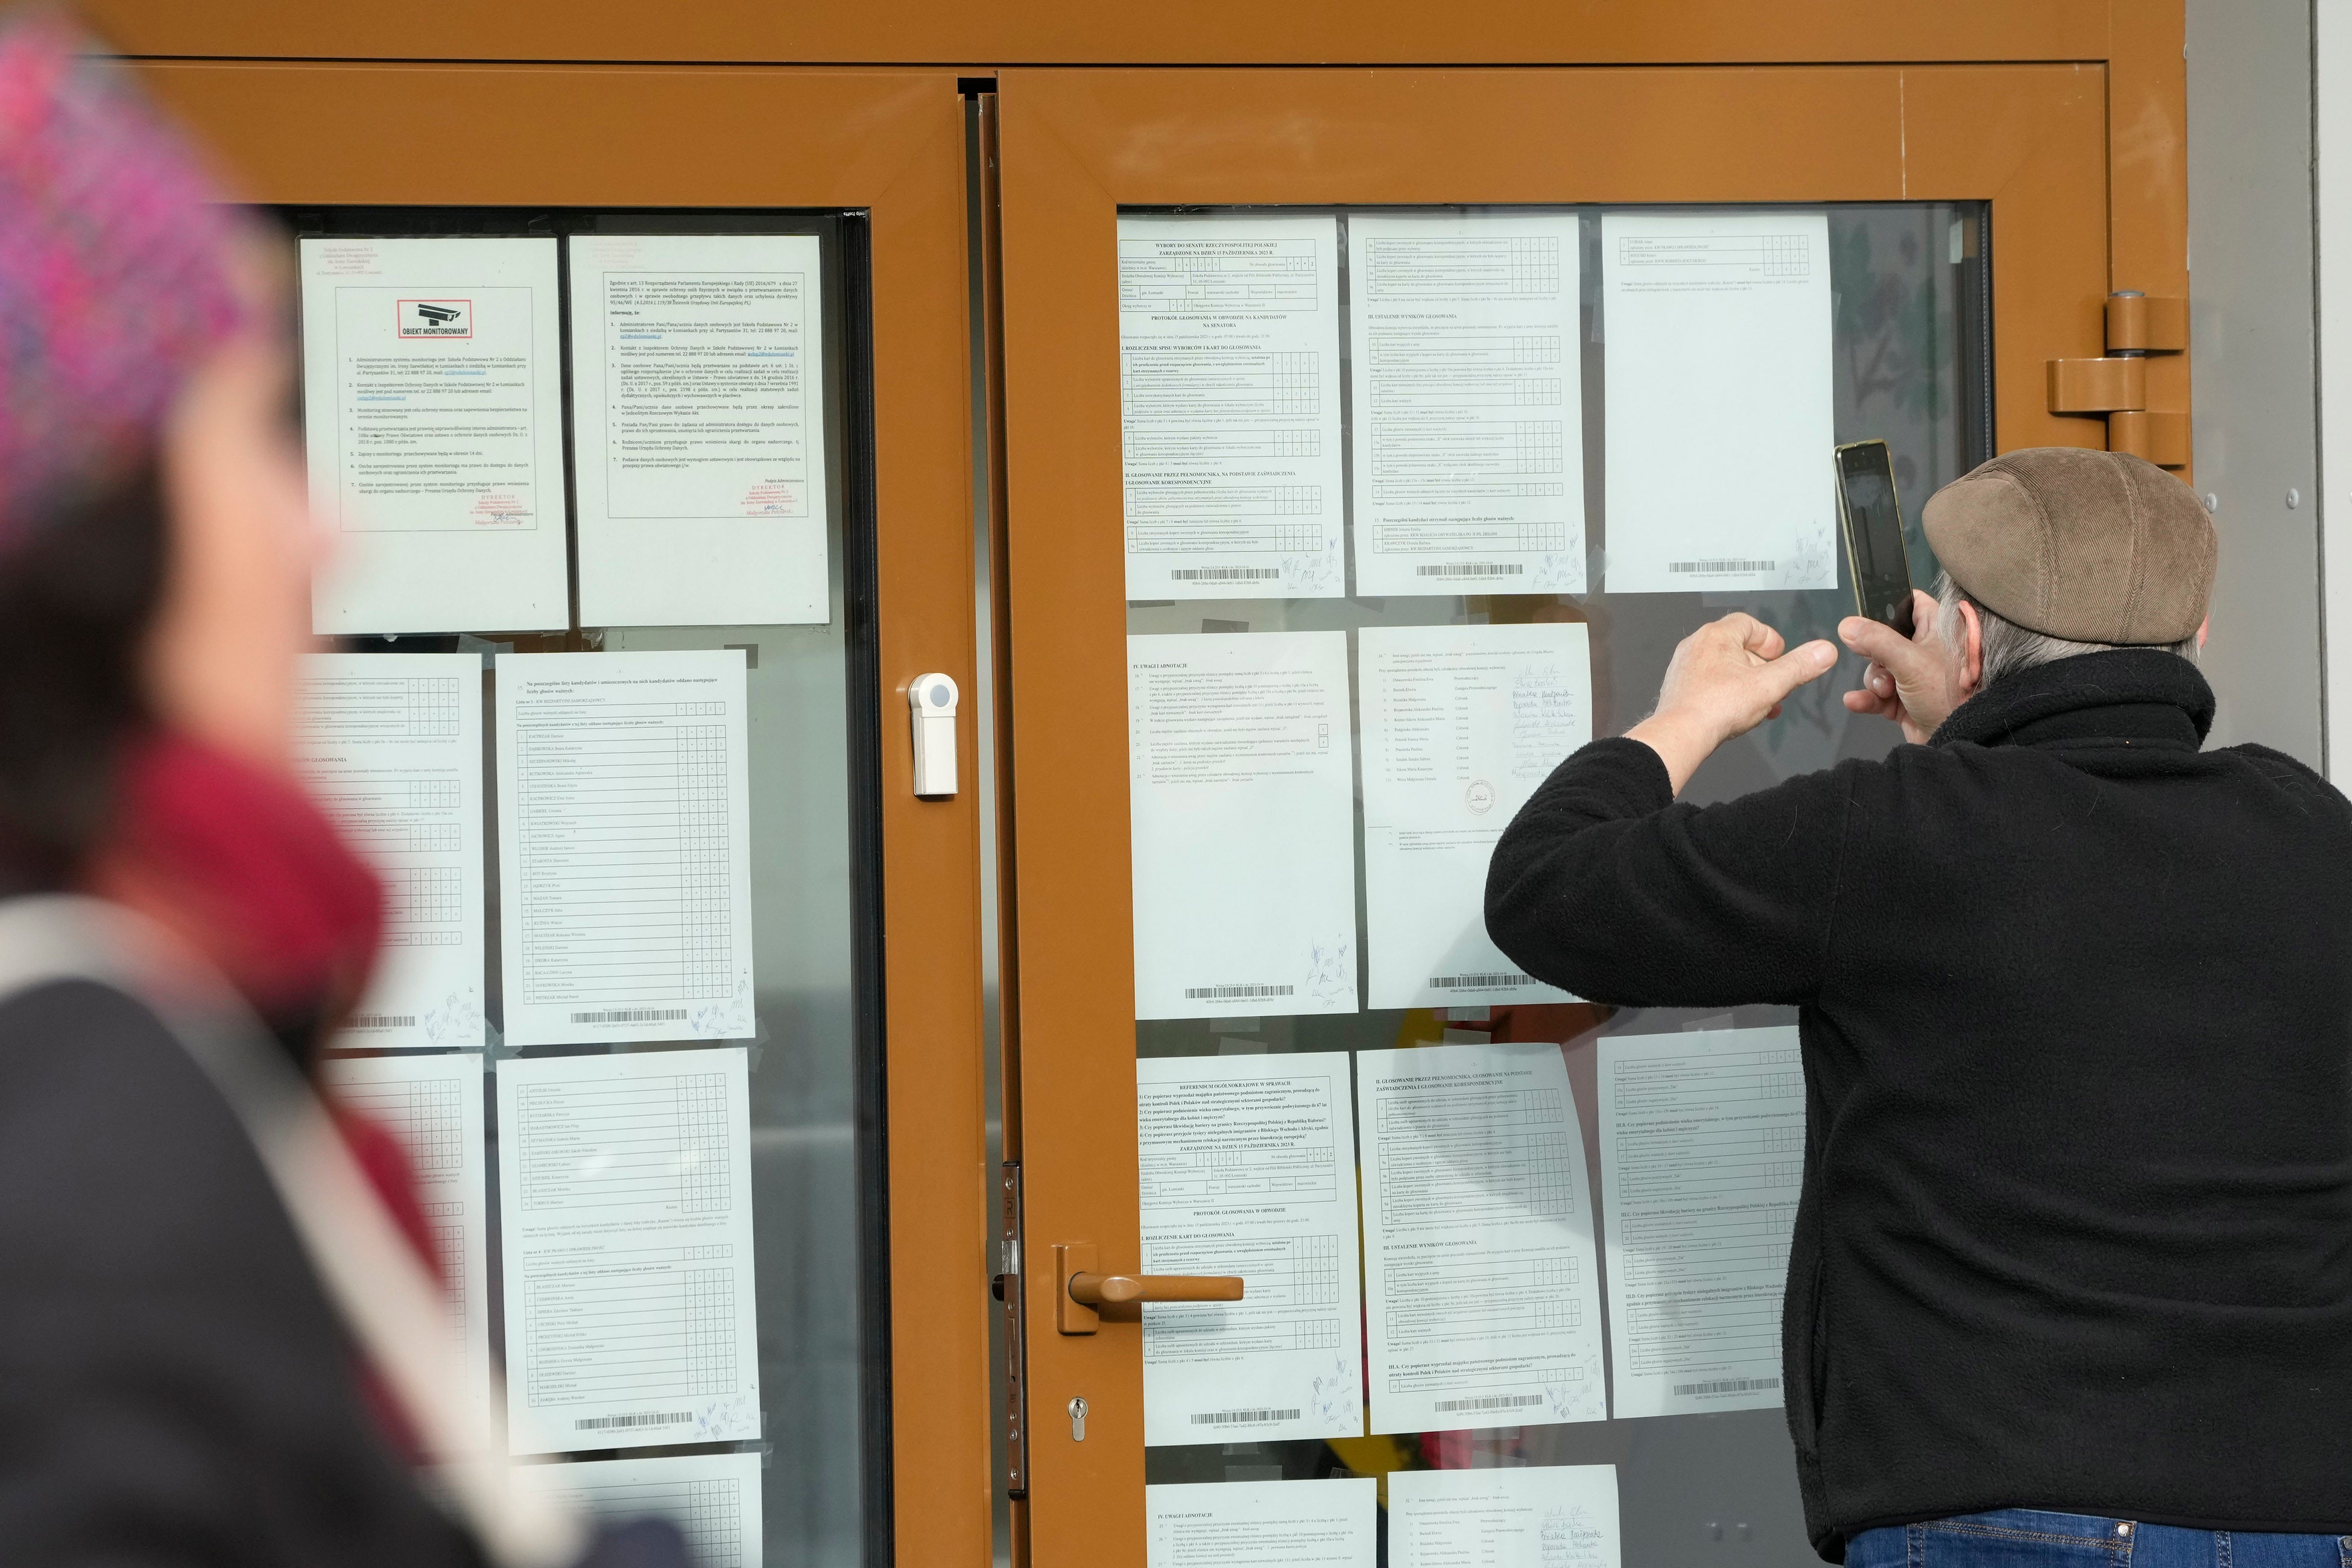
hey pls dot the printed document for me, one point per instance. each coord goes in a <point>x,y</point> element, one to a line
<point>432,1106</point>
<point>713,1498</point>
<point>1469,432</point>
<point>391,746</point>
<point>1263,1524</point>
<point>697,397</point>
<point>1243,795</point>
<point>1229,406</point>
<point>624,1204</point>
<point>1459,725</point>
<point>1702,1155</point>
<point>1721,419</point>
<point>1249,1168</point>
<point>1542,1516</point>
<point>1479,1271</point>
<point>624,847</point>
<point>433,421</point>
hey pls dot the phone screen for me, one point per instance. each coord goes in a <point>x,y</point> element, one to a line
<point>1874,534</point>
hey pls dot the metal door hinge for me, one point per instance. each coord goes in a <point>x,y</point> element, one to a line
<point>2116,386</point>
<point>1007,1289</point>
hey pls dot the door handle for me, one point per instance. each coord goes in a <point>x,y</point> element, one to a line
<point>1079,1288</point>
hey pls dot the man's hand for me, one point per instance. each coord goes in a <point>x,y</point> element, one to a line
<point>1916,682</point>
<point>1725,679</point>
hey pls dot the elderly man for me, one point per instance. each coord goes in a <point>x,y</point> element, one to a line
<point>2072,1278</point>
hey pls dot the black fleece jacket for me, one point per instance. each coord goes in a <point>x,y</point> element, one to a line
<point>2076,999</point>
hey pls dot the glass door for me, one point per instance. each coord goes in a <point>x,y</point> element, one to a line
<point>1398,501</point>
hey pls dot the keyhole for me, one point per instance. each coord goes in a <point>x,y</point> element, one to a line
<point>1079,1419</point>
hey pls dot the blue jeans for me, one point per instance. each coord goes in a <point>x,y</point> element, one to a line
<point>2027,1538</point>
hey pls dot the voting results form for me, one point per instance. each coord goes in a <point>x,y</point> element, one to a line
<point>1248,1166</point>
<point>391,746</point>
<point>1478,1265</point>
<point>1702,1156</point>
<point>432,1107</point>
<point>713,1498</point>
<point>1241,783</point>
<point>1263,1524</point>
<point>624,1204</point>
<point>433,424</point>
<point>1538,1516</point>
<point>1229,406</point>
<point>1469,433</point>
<point>698,394</point>
<point>1720,423</point>
<point>625,847</point>
<point>1459,725</point>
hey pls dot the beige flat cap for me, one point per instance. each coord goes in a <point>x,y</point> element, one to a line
<point>2089,546</point>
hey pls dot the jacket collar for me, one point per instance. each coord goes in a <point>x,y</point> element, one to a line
<point>2129,693</point>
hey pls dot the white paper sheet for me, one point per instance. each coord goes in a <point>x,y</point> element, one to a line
<point>1459,725</point>
<point>1469,430</point>
<point>624,847</point>
<point>1241,790</point>
<point>1478,1263</point>
<point>433,419</point>
<point>1263,1524</point>
<point>1249,1168</point>
<point>432,1105</point>
<point>713,1498</point>
<point>1229,404</point>
<point>1702,1155</point>
<point>1720,417</point>
<point>391,743</point>
<point>1542,1516</point>
<point>698,398</point>
<point>624,1203</point>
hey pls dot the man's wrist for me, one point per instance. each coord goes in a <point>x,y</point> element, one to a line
<point>1682,740</point>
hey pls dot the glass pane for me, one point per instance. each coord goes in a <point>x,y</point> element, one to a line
<point>1907,361</point>
<point>807,1046</point>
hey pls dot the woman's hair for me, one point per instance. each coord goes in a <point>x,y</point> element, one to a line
<point>75,602</point>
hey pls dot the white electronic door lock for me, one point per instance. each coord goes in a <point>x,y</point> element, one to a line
<point>933,698</point>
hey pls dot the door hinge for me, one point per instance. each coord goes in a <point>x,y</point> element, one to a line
<point>2114,386</point>
<point>1007,1288</point>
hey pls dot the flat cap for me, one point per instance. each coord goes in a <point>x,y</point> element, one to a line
<point>2089,546</point>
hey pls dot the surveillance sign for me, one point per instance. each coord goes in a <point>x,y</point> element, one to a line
<point>436,318</point>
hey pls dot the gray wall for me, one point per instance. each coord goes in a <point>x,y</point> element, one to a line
<point>2253,381</point>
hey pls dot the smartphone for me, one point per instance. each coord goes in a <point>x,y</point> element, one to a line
<point>1874,534</point>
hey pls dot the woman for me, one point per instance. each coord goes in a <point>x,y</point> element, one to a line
<point>187,1371</point>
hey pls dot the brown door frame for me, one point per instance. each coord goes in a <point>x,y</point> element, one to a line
<point>1078,144</point>
<point>892,143</point>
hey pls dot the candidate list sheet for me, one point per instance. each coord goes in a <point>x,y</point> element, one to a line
<point>1248,1167</point>
<point>1469,431</point>
<point>1459,725</point>
<point>1538,1516</point>
<point>1478,1267</point>
<point>1229,406</point>
<point>433,423</point>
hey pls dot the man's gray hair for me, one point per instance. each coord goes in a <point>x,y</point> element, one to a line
<point>2008,647</point>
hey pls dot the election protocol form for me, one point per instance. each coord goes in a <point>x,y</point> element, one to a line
<point>433,424</point>
<point>1248,1167</point>
<point>1263,1524</point>
<point>1241,785</point>
<point>1535,1516</point>
<point>1459,725</point>
<point>1702,1156</point>
<point>713,1498</point>
<point>1229,406</point>
<point>1478,1266</point>
<point>1469,433</point>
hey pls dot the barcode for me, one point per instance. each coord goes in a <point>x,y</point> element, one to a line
<point>632,1016</point>
<point>642,1418</point>
<point>1728,1385</point>
<point>1234,1417</point>
<point>1707,568</point>
<point>1470,569</point>
<point>1221,993</point>
<point>1222,574</point>
<point>382,1021</point>
<point>1479,981</point>
<point>1490,1402</point>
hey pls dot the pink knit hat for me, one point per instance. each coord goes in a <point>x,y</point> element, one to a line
<point>116,271</point>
